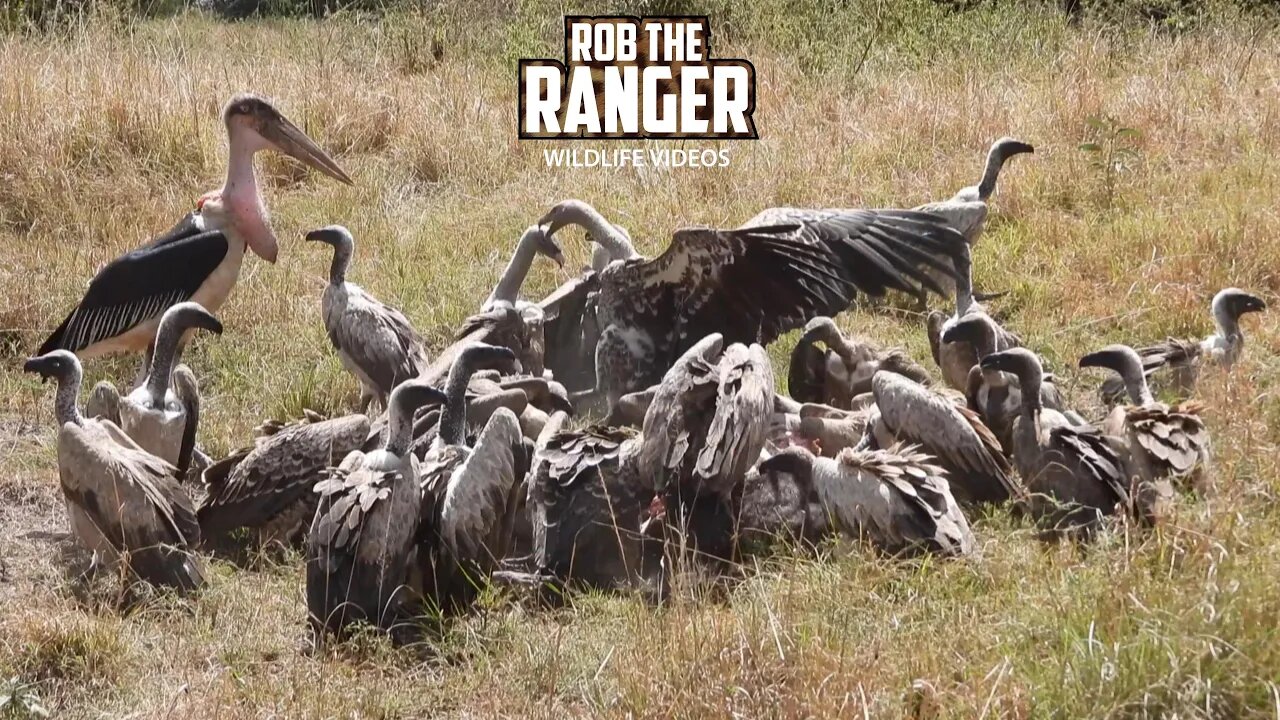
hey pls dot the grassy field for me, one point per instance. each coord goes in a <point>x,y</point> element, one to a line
<point>110,132</point>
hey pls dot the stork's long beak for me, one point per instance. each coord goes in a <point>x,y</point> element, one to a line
<point>289,139</point>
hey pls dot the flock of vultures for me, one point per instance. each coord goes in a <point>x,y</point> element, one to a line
<point>622,429</point>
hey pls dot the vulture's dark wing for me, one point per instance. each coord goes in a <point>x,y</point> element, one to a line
<point>139,286</point>
<point>570,331</point>
<point>753,284</point>
<point>1100,472</point>
<point>881,249</point>
<point>135,501</point>
<point>279,472</point>
<point>750,285</point>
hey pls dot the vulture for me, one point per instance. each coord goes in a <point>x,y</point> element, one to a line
<point>910,414</point>
<point>268,487</point>
<point>199,258</point>
<point>364,532</point>
<point>957,358</point>
<point>897,500</point>
<point>966,211</point>
<point>1184,358</point>
<point>1073,474</point>
<point>1161,445</point>
<point>750,284</point>
<point>530,351</point>
<point>589,509</point>
<point>374,341</point>
<point>470,493</point>
<point>705,427</point>
<point>162,414</point>
<point>841,372</point>
<point>995,395</point>
<point>123,503</point>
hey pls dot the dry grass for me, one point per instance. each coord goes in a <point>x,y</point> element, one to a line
<point>111,132</point>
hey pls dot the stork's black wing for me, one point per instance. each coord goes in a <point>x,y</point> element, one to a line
<point>140,286</point>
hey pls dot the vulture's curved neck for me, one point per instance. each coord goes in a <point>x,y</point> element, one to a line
<point>167,352</point>
<point>1030,382</point>
<point>964,287</point>
<point>1228,325</point>
<point>342,252</point>
<point>509,284</point>
<point>995,160</point>
<point>604,233</point>
<point>453,422</point>
<point>399,430</point>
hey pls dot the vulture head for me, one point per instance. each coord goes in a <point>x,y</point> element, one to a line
<point>1022,363</point>
<point>1229,304</point>
<point>59,365</point>
<point>976,329</point>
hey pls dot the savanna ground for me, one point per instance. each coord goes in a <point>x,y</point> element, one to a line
<point>110,131</point>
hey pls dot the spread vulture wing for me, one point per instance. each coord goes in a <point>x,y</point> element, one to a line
<point>249,488</point>
<point>140,286</point>
<point>750,285</point>
<point>755,283</point>
<point>909,240</point>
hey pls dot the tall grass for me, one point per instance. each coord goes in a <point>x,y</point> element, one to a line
<point>111,132</point>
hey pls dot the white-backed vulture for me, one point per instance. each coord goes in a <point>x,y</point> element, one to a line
<point>588,507</point>
<point>375,342</point>
<point>1185,358</point>
<point>470,493</point>
<point>365,527</point>
<point>1159,443</point>
<point>162,415</point>
<point>911,414</point>
<point>842,371</point>
<point>750,284</point>
<point>123,503</point>
<point>897,500</point>
<point>1073,474</point>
